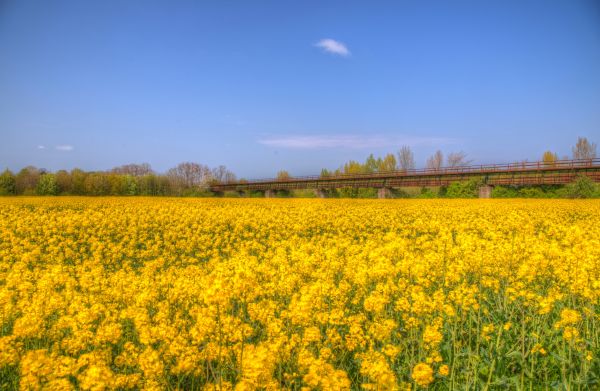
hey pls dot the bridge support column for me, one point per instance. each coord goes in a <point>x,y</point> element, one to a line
<point>320,193</point>
<point>270,193</point>
<point>485,191</point>
<point>384,192</point>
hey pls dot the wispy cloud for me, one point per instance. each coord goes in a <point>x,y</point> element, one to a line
<point>41,147</point>
<point>334,47</point>
<point>351,141</point>
<point>64,148</point>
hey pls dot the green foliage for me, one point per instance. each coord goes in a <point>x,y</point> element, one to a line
<point>7,183</point>
<point>303,193</point>
<point>283,194</point>
<point>582,187</point>
<point>400,193</point>
<point>426,193</point>
<point>443,191</point>
<point>325,173</point>
<point>532,192</point>
<point>47,185</point>
<point>196,193</point>
<point>505,192</point>
<point>352,192</point>
<point>372,164</point>
<point>131,187</point>
<point>367,193</point>
<point>468,189</point>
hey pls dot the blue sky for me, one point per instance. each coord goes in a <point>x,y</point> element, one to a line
<point>268,85</point>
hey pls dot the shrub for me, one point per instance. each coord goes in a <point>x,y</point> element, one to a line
<point>532,192</point>
<point>504,192</point>
<point>426,193</point>
<point>468,189</point>
<point>582,187</point>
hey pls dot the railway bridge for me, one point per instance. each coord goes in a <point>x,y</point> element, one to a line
<point>513,174</point>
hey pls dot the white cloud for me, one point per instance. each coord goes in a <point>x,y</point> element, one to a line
<point>41,147</point>
<point>334,47</point>
<point>350,141</point>
<point>64,147</point>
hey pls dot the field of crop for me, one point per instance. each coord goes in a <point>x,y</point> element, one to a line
<point>141,293</point>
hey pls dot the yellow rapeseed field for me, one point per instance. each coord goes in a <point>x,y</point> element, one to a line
<point>149,293</point>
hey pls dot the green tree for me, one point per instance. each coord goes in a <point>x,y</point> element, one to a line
<point>64,182</point>
<point>131,187</point>
<point>371,164</point>
<point>78,178</point>
<point>97,184</point>
<point>353,167</point>
<point>388,163</point>
<point>47,185</point>
<point>7,183</point>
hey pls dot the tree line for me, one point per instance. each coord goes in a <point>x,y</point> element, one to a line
<point>185,179</point>
<point>404,160</point>
<point>194,179</point>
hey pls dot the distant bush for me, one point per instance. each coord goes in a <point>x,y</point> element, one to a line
<point>400,193</point>
<point>283,194</point>
<point>426,193</point>
<point>532,192</point>
<point>468,189</point>
<point>352,192</point>
<point>304,193</point>
<point>582,187</point>
<point>505,192</point>
<point>367,193</point>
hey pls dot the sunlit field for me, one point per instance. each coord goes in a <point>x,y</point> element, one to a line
<point>247,294</point>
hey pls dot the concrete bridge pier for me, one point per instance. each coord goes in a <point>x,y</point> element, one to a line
<point>270,193</point>
<point>384,192</point>
<point>485,191</point>
<point>320,193</point>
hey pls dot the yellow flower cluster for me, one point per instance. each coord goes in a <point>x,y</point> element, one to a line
<point>245,294</point>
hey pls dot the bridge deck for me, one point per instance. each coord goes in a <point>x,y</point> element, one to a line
<point>526,173</point>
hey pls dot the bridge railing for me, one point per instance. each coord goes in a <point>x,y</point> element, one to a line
<point>458,170</point>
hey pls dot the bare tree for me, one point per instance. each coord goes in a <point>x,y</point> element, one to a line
<point>222,175</point>
<point>457,159</point>
<point>189,174</point>
<point>406,159</point>
<point>584,149</point>
<point>435,161</point>
<point>134,169</point>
